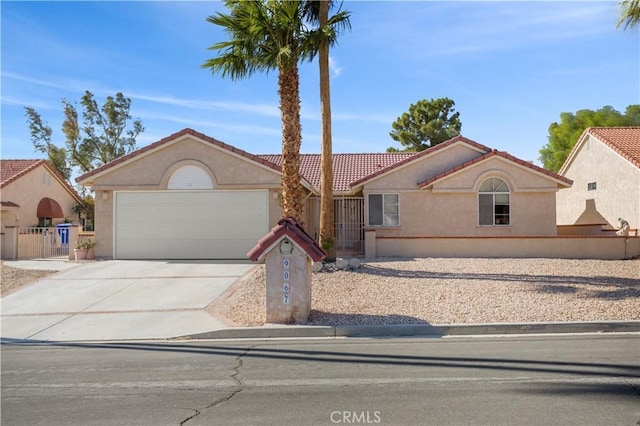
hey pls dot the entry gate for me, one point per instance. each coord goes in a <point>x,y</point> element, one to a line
<point>348,220</point>
<point>43,242</point>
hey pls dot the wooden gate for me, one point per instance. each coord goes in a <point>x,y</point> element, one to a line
<point>43,242</point>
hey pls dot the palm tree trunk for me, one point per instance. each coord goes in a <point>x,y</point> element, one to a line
<point>327,233</point>
<point>288,88</point>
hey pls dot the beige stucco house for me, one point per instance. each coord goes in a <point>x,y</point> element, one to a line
<point>191,196</point>
<point>605,168</point>
<point>34,194</point>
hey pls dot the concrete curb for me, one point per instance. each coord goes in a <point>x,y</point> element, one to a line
<point>424,330</point>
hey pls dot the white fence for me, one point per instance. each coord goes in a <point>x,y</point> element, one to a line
<point>43,242</point>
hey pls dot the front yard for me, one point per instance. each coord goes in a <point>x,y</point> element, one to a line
<point>14,278</point>
<point>452,291</point>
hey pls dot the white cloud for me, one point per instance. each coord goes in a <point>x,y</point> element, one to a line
<point>259,109</point>
<point>458,28</point>
<point>209,124</point>
<point>333,66</point>
<point>80,86</point>
<point>61,84</point>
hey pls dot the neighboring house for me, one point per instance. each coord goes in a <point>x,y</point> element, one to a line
<point>190,196</point>
<point>605,168</point>
<point>34,194</point>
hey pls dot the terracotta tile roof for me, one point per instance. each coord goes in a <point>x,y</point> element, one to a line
<point>350,170</point>
<point>289,227</point>
<point>347,168</point>
<point>10,170</point>
<point>488,155</point>
<point>170,138</point>
<point>624,140</point>
<point>427,151</point>
<point>353,169</point>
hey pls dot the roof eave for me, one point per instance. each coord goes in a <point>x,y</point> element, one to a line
<point>574,151</point>
<point>426,153</point>
<point>560,180</point>
<point>149,149</point>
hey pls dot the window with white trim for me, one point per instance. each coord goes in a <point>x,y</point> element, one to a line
<point>383,210</point>
<point>494,203</point>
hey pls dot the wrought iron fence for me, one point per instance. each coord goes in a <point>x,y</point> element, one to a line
<point>348,218</point>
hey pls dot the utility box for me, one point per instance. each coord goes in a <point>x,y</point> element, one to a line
<point>288,252</point>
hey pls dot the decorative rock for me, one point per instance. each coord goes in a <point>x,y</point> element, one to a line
<point>354,263</point>
<point>342,264</point>
<point>317,267</point>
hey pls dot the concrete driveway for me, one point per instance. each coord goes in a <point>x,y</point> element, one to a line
<point>118,300</point>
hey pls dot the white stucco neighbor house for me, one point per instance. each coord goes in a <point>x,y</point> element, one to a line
<point>604,166</point>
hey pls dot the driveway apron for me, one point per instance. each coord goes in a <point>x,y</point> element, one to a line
<point>119,300</point>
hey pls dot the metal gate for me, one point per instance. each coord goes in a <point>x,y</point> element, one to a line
<point>43,242</point>
<point>348,220</point>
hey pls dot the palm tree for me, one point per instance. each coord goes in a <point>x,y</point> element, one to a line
<point>263,36</point>
<point>328,29</point>
<point>630,13</point>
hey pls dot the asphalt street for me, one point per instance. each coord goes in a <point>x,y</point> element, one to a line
<point>584,379</point>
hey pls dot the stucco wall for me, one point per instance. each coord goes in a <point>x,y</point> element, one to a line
<point>407,177</point>
<point>153,170</point>
<point>618,186</point>
<point>565,247</point>
<point>28,190</point>
<point>450,208</point>
<point>103,224</point>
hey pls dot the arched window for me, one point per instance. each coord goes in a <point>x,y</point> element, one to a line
<point>190,177</point>
<point>493,203</point>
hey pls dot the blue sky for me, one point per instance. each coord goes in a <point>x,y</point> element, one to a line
<point>511,68</point>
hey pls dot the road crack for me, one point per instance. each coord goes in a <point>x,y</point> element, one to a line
<point>239,388</point>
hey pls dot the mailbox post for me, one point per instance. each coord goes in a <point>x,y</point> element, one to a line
<point>288,252</point>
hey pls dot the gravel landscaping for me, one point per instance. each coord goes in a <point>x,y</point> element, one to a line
<point>12,279</point>
<point>454,291</point>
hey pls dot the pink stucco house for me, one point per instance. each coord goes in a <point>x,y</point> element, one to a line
<point>34,194</point>
<point>183,197</point>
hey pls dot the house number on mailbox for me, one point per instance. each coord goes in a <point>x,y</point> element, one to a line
<point>285,264</point>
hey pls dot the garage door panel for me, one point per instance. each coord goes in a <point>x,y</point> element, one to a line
<point>143,249</point>
<point>188,224</point>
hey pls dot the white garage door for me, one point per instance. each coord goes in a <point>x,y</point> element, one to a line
<point>189,224</point>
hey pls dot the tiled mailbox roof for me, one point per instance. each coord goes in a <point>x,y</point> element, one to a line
<point>290,228</point>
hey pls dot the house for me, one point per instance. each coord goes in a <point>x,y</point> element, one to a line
<point>33,193</point>
<point>604,165</point>
<point>184,196</point>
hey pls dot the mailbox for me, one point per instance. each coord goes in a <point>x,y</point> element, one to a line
<point>288,252</point>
